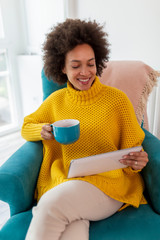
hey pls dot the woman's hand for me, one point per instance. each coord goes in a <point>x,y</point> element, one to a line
<point>46,133</point>
<point>136,160</point>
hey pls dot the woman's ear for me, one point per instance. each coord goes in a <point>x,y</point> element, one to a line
<point>64,70</point>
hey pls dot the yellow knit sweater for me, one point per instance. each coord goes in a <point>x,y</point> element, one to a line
<point>107,123</point>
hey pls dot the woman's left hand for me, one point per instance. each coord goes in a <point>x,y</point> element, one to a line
<point>136,160</point>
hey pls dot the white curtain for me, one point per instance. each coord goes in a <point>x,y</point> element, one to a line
<point>153,110</point>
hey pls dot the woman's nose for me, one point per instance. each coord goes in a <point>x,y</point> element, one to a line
<point>84,71</point>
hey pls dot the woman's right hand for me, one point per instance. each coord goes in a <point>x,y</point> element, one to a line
<point>46,133</point>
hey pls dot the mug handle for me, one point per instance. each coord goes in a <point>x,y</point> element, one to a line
<point>52,129</point>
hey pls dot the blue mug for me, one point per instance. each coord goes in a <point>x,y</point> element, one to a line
<point>66,131</point>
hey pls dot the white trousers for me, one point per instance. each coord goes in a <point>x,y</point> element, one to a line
<point>64,212</point>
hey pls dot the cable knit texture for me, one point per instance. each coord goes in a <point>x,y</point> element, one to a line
<point>107,123</point>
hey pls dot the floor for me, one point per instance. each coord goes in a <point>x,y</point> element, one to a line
<point>8,145</point>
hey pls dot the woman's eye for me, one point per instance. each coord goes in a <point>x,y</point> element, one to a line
<point>91,65</point>
<point>75,66</point>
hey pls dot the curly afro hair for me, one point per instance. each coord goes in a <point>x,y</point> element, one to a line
<point>66,36</point>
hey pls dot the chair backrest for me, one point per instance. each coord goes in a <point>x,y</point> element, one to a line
<point>49,86</point>
<point>135,78</point>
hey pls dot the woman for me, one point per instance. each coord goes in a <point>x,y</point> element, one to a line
<point>75,52</point>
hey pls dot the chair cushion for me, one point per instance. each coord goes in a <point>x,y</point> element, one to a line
<point>129,224</point>
<point>150,173</point>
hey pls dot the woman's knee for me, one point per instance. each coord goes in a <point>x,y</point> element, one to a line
<point>52,203</point>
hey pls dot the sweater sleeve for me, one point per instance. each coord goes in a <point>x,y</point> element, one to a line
<point>32,125</point>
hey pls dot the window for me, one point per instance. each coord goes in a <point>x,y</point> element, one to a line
<point>5,98</point>
<point>9,119</point>
<point>1,26</point>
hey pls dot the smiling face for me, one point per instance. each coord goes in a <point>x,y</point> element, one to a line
<point>80,67</point>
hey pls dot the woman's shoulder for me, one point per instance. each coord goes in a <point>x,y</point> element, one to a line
<point>115,92</point>
<point>56,95</point>
<point>117,98</point>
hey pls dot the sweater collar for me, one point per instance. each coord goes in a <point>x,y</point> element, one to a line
<point>85,97</point>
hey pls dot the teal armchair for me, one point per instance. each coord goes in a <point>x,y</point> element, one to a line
<point>18,177</point>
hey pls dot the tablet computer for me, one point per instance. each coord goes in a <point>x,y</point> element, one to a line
<point>99,163</point>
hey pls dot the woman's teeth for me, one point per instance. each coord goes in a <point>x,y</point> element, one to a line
<point>84,80</point>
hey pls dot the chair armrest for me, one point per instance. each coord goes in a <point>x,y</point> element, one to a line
<point>18,177</point>
<point>150,173</point>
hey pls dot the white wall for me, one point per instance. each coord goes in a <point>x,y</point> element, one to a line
<point>40,16</point>
<point>30,67</point>
<point>132,25</point>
